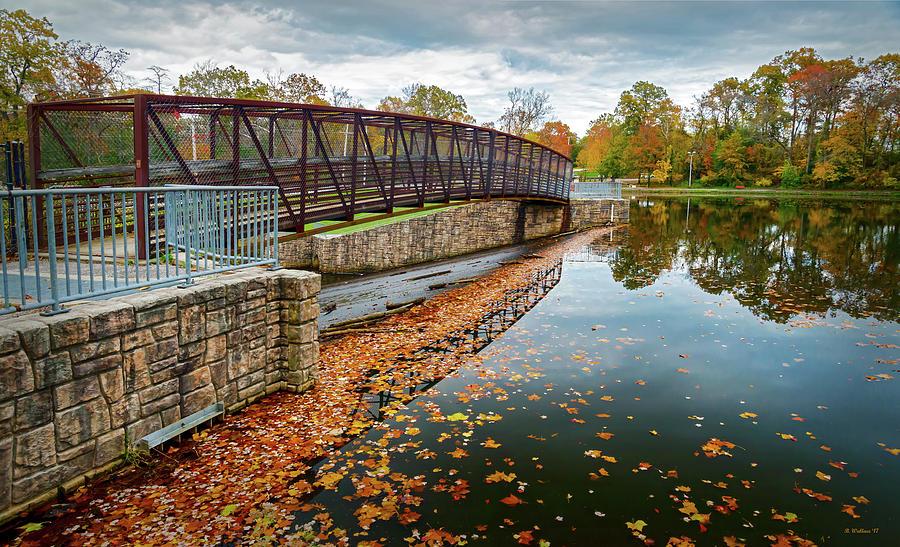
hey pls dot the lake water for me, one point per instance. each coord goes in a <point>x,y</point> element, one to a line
<point>723,372</point>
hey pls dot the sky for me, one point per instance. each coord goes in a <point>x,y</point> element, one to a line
<point>584,54</point>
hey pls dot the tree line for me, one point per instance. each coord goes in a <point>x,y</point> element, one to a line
<point>799,120</point>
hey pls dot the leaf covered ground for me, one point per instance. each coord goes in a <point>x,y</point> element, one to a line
<point>247,476</point>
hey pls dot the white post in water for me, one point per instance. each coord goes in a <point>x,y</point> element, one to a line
<point>691,169</point>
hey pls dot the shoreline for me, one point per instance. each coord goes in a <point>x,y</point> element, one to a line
<point>869,195</point>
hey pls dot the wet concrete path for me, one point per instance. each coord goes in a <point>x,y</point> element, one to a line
<point>346,297</point>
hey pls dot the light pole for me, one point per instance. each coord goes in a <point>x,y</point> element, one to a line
<point>691,169</point>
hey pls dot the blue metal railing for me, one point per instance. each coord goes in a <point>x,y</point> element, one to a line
<point>609,190</point>
<point>77,243</point>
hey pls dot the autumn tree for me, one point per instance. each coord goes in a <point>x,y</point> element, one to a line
<point>645,148</point>
<point>603,147</point>
<point>555,135</point>
<point>875,101</point>
<point>90,70</point>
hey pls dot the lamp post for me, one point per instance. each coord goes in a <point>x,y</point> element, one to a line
<point>691,169</point>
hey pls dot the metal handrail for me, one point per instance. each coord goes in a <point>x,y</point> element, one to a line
<point>77,243</point>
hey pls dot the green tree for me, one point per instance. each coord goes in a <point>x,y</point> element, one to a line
<point>295,88</point>
<point>790,175</point>
<point>429,100</point>
<point>209,80</point>
<point>731,155</point>
<point>28,54</point>
<point>640,105</point>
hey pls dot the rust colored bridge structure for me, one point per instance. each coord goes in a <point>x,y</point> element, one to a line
<point>329,163</point>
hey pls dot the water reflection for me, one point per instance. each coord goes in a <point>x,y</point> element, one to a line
<point>502,315</point>
<point>777,258</point>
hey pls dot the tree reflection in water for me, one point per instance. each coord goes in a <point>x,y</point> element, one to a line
<point>778,258</point>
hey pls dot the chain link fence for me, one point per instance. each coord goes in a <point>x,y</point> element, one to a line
<point>329,164</point>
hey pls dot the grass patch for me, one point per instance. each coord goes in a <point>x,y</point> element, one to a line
<point>414,213</point>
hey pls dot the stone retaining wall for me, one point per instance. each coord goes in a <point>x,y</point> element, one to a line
<point>75,388</point>
<point>447,232</point>
<point>587,213</point>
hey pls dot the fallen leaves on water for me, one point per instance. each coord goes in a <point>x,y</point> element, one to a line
<point>491,443</point>
<point>786,517</point>
<point>813,494</point>
<point>850,510</point>
<point>511,500</point>
<point>636,525</point>
<point>714,448</point>
<point>499,476</point>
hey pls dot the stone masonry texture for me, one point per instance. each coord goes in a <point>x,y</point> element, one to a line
<point>448,232</point>
<point>76,387</point>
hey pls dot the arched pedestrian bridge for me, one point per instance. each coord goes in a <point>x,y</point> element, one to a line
<point>332,166</point>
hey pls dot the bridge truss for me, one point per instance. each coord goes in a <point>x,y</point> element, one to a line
<point>329,163</point>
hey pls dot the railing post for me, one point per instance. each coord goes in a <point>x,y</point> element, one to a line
<point>51,248</point>
<point>274,197</point>
<point>187,205</point>
<point>141,170</point>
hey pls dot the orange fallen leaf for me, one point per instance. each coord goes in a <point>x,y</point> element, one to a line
<point>511,500</point>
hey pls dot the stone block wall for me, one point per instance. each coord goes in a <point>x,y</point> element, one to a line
<point>447,232</point>
<point>76,387</point>
<point>587,213</point>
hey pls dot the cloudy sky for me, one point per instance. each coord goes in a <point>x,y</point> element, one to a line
<point>583,53</point>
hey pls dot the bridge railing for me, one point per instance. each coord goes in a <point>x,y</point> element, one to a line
<point>123,239</point>
<point>608,189</point>
<point>328,163</point>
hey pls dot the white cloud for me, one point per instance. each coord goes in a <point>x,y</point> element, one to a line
<point>584,54</point>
